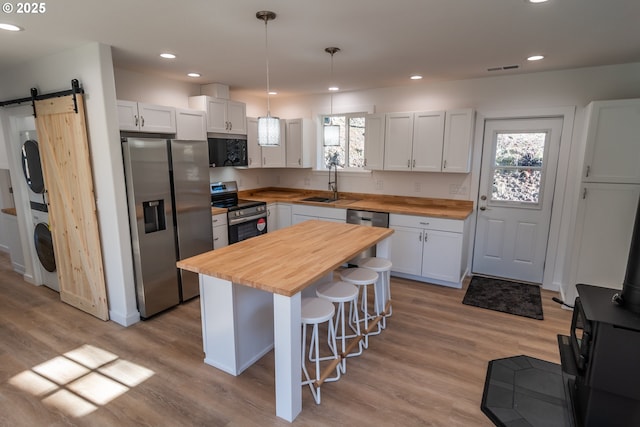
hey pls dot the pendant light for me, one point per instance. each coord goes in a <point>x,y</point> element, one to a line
<point>331,132</point>
<point>268,127</point>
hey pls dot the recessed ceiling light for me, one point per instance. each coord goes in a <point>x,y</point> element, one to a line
<point>193,74</point>
<point>535,58</point>
<point>168,55</point>
<point>273,92</point>
<point>537,1</point>
<point>9,27</point>
<point>334,88</point>
<point>416,77</point>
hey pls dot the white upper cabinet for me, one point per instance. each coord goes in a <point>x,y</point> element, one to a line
<point>431,141</point>
<point>191,125</point>
<point>458,134</point>
<point>254,150</point>
<point>428,134</point>
<point>413,141</point>
<point>139,117</point>
<point>398,141</point>
<point>276,156</point>
<point>300,138</point>
<point>223,115</point>
<point>613,142</point>
<point>374,145</point>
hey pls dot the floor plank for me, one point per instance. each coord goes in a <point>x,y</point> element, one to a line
<point>426,369</point>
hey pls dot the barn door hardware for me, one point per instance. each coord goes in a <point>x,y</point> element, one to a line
<point>75,89</point>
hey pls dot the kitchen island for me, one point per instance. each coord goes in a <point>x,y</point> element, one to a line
<point>250,295</point>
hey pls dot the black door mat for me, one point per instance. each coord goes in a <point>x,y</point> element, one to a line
<point>516,298</point>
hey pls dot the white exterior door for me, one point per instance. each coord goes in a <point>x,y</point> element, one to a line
<point>517,181</point>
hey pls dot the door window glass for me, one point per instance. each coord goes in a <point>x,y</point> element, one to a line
<point>518,168</point>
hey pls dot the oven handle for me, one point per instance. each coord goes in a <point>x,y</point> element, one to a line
<point>236,221</point>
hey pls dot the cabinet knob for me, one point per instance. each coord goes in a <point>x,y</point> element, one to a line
<point>141,121</point>
<point>414,163</point>
<point>588,171</point>
<point>136,120</point>
<point>444,166</point>
<point>483,208</point>
<point>409,163</point>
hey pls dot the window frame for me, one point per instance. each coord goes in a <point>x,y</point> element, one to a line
<point>321,148</point>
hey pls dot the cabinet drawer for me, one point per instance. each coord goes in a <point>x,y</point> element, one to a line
<point>430,223</point>
<point>217,220</point>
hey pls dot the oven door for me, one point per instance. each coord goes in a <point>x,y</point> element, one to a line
<point>244,228</point>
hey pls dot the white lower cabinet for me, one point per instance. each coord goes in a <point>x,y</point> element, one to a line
<point>220,231</point>
<point>300,213</point>
<point>278,216</point>
<point>429,249</point>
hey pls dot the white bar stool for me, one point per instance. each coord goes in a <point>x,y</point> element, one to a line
<point>341,293</point>
<point>313,312</point>
<point>383,267</point>
<point>364,277</point>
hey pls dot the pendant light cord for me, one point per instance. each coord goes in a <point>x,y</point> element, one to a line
<point>266,48</point>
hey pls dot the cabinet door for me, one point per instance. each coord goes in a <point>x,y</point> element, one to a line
<point>276,156</point>
<point>128,115</point>
<point>458,134</point>
<point>283,215</point>
<point>442,255</point>
<point>613,145</point>
<point>217,115</point>
<point>254,151</point>
<point>294,143</point>
<point>374,141</point>
<point>606,214</point>
<point>398,139</point>
<point>191,125</point>
<point>406,250</point>
<point>237,117</point>
<point>297,218</point>
<point>428,134</point>
<point>157,118</point>
<point>220,237</point>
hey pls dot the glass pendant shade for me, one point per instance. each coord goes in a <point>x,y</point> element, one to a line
<point>331,135</point>
<point>268,131</point>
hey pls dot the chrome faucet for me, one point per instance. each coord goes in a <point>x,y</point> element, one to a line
<point>333,185</point>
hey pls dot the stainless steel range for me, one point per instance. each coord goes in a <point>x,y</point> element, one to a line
<point>245,218</point>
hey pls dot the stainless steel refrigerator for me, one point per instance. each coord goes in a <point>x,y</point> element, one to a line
<point>169,214</point>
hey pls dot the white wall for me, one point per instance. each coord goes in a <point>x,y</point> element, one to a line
<point>151,89</point>
<point>92,65</point>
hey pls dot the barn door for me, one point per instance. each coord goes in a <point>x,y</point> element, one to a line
<point>72,210</point>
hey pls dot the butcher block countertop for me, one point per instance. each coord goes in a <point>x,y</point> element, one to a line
<point>217,211</point>
<point>439,208</point>
<point>287,260</point>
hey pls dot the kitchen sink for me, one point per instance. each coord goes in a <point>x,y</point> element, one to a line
<point>318,199</point>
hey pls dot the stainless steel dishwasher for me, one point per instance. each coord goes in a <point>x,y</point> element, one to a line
<point>367,218</point>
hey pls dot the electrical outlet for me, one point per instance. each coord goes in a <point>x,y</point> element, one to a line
<point>454,189</point>
<point>307,181</point>
<point>416,187</point>
<point>379,184</point>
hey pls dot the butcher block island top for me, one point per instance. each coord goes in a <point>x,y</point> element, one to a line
<point>287,260</point>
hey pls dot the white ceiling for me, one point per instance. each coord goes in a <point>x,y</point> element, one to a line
<point>383,42</point>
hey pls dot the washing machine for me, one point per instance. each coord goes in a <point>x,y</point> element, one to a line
<point>45,264</point>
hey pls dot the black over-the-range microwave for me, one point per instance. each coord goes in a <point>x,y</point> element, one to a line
<point>227,150</point>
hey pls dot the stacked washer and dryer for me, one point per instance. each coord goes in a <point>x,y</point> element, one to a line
<point>45,266</point>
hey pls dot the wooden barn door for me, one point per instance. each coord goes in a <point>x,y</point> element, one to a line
<point>72,211</point>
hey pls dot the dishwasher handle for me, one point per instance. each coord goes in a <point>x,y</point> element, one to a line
<point>368,218</point>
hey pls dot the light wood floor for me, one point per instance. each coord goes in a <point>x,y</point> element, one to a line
<point>427,368</point>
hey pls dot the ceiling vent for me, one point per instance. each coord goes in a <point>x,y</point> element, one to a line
<point>506,67</point>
